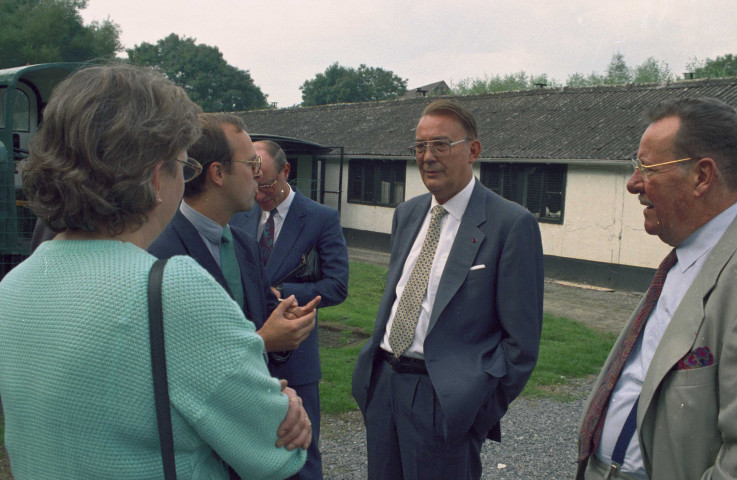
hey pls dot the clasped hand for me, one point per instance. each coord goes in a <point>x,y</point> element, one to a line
<point>296,429</point>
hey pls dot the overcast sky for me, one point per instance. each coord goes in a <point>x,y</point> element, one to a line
<point>282,43</point>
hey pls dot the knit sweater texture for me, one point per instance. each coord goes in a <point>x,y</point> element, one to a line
<point>75,371</point>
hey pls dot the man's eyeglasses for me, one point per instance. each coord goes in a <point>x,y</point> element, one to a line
<point>439,148</point>
<point>267,186</point>
<point>255,163</point>
<point>191,168</point>
<point>645,170</point>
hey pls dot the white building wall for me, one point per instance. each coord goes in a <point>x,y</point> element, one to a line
<point>602,222</point>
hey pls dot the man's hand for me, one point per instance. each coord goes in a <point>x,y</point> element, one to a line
<point>283,331</point>
<point>296,430</point>
<point>295,311</point>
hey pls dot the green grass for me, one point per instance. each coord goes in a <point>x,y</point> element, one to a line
<point>365,288</point>
<point>568,349</point>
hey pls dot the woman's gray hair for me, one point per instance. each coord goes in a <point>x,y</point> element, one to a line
<point>92,161</point>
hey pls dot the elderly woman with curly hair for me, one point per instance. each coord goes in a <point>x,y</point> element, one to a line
<point>107,171</point>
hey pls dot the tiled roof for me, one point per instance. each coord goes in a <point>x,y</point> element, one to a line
<point>569,123</point>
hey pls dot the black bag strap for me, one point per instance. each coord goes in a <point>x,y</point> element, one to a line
<point>158,368</point>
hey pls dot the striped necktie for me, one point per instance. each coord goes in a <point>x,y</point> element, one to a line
<point>408,311</point>
<point>593,421</point>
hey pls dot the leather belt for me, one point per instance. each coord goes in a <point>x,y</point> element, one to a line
<point>403,364</point>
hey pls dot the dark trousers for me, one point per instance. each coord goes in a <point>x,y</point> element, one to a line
<point>404,432</point>
<point>310,395</point>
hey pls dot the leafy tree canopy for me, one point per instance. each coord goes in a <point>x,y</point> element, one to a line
<point>347,85</point>
<point>41,31</point>
<point>725,66</point>
<point>498,83</point>
<point>618,73</point>
<point>203,73</point>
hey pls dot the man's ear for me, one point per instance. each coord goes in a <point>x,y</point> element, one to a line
<point>475,147</point>
<point>706,174</point>
<point>216,172</point>
<point>286,171</point>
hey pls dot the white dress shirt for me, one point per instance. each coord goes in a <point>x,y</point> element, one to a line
<point>281,213</point>
<point>456,207</point>
<point>692,254</point>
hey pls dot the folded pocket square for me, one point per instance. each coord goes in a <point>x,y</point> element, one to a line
<point>478,267</point>
<point>697,358</point>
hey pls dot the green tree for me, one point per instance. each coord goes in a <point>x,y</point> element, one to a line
<point>618,73</point>
<point>725,66</point>
<point>40,31</point>
<point>203,72</point>
<point>499,83</point>
<point>340,84</point>
<point>652,71</point>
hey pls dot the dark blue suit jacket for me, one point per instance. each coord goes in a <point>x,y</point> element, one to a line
<point>484,332</point>
<point>181,238</point>
<point>307,223</point>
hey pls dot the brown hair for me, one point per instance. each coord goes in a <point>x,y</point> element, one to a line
<point>212,146</point>
<point>448,107</point>
<point>104,130</point>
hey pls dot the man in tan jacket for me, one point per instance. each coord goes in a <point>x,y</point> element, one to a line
<point>673,371</point>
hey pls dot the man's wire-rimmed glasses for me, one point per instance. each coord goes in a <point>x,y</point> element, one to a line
<point>191,168</point>
<point>268,186</point>
<point>439,148</point>
<point>255,164</point>
<point>645,170</point>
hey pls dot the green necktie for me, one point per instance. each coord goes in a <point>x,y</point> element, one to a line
<point>410,303</point>
<point>229,266</point>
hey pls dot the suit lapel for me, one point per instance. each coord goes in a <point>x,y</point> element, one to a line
<point>196,248</point>
<point>462,254</point>
<point>252,220</point>
<point>680,335</point>
<point>290,230</point>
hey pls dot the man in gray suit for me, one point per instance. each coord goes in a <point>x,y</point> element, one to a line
<point>665,404</point>
<point>458,328</point>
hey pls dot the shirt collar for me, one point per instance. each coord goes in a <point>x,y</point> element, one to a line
<point>283,208</point>
<point>456,206</point>
<point>206,227</point>
<point>703,240</point>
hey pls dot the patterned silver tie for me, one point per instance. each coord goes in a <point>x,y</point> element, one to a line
<point>408,310</point>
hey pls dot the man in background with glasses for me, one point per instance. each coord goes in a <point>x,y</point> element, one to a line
<point>664,405</point>
<point>288,225</point>
<point>230,169</point>
<point>458,328</point>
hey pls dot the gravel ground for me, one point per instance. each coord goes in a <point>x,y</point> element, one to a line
<point>538,441</point>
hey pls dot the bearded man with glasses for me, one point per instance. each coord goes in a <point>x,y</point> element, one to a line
<point>458,329</point>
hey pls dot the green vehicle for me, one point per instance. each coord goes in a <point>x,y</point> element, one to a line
<point>24,91</point>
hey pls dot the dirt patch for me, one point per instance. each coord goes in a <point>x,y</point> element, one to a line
<point>336,335</point>
<point>601,309</point>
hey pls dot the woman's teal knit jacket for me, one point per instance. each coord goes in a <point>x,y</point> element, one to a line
<point>75,371</point>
